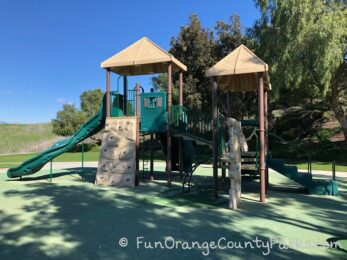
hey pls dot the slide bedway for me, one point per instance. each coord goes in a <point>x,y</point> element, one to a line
<point>34,164</point>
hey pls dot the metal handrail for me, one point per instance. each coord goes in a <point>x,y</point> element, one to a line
<point>257,150</point>
<point>130,102</point>
<point>190,122</point>
<point>196,124</point>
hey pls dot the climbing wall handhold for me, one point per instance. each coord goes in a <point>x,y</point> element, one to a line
<point>117,154</point>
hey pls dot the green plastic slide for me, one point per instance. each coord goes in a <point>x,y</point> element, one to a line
<point>34,164</point>
<point>188,152</point>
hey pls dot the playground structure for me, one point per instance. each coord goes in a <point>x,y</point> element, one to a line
<point>142,57</point>
<point>241,71</point>
<point>128,115</point>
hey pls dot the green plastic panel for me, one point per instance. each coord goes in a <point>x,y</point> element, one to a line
<point>116,104</point>
<point>324,187</point>
<point>153,112</point>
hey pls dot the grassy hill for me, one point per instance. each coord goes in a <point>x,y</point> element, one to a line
<point>22,138</point>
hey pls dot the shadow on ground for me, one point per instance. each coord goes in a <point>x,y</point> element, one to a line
<point>72,219</point>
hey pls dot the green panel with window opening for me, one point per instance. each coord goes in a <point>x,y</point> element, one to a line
<point>116,104</point>
<point>153,112</point>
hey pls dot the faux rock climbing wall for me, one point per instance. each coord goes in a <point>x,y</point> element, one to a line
<point>117,160</point>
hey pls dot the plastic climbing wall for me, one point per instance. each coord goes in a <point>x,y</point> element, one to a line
<point>117,155</point>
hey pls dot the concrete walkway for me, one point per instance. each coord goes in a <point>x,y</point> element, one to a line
<point>66,165</point>
<point>63,165</point>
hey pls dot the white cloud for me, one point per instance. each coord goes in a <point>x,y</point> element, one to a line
<point>61,100</point>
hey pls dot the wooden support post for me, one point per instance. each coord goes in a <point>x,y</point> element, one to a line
<point>137,172</point>
<point>151,158</point>
<point>228,104</point>
<point>228,116</point>
<point>266,139</point>
<point>169,132</point>
<point>180,155</point>
<point>215,137</point>
<point>125,95</point>
<point>181,88</point>
<point>108,90</point>
<point>261,137</point>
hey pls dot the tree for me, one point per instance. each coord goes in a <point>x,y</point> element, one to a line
<point>70,118</point>
<point>90,101</point>
<point>194,46</point>
<point>160,83</point>
<point>304,42</point>
<point>229,36</point>
<point>197,48</point>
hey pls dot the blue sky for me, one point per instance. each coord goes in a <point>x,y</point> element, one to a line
<point>50,50</point>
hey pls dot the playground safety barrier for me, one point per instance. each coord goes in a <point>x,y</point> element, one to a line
<point>197,125</point>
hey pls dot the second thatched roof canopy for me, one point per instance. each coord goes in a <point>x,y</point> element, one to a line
<point>238,71</point>
<point>142,57</point>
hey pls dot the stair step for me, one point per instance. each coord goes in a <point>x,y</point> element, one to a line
<point>249,167</point>
<point>248,154</point>
<point>246,167</point>
<point>243,159</point>
<point>248,159</point>
<point>224,159</point>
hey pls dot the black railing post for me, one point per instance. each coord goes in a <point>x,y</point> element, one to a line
<point>309,164</point>
<point>334,170</point>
